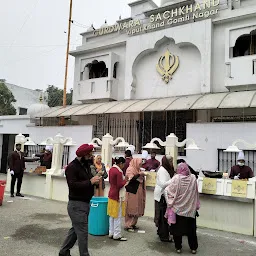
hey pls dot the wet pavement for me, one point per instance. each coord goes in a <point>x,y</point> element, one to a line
<point>37,227</point>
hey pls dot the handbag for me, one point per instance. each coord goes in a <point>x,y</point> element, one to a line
<point>133,185</point>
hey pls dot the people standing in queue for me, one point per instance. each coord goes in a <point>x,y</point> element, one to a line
<point>241,171</point>
<point>152,163</point>
<point>135,194</point>
<point>81,189</point>
<point>182,200</point>
<point>116,199</point>
<point>98,168</point>
<point>163,179</point>
<point>16,162</point>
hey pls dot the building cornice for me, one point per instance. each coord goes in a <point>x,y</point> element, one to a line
<point>236,14</point>
<point>97,48</point>
<point>167,7</point>
<point>139,2</point>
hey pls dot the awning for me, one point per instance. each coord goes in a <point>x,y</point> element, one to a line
<point>225,100</point>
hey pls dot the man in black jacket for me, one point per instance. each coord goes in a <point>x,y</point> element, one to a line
<point>81,189</point>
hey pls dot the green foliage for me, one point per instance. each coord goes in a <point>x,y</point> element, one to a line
<point>6,100</point>
<point>55,96</point>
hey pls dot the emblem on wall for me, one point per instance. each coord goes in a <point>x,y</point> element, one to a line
<point>167,66</point>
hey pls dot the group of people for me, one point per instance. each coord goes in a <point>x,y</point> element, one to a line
<point>176,194</point>
<point>176,198</point>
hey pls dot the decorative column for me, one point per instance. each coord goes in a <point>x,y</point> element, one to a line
<point>106,149</point>
<point>171,147</point>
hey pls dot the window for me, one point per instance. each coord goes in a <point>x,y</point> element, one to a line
<point>115,70</point>
<point>23,111</point>
<point>245,45</point>
<point>97,69</point>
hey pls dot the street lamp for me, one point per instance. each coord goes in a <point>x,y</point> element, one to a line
<point>234,148</point>
<point>171,145</point>
<point>24,141</point>
<point>107,143</point>
<point>58,143</point>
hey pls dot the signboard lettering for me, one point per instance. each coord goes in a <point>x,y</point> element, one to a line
<point>170,17</point>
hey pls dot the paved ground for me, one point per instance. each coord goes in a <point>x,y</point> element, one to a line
<point>34,226</point>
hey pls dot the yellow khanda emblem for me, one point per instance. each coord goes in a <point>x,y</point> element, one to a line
<point>167,65</point>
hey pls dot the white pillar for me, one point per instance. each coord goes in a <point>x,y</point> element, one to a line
<point>57,155</point>
<point>106,150</point>
<point>171,148</point>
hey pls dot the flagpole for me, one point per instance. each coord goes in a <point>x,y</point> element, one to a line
<point>67,55</point>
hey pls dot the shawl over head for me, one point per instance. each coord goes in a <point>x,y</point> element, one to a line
<point>182,194</point>
<point>134,168</point>
<point>183,169</point>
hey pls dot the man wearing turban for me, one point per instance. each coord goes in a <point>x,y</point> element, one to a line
<point>81,189</point>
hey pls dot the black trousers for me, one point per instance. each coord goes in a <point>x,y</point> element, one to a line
<point>192,241</point>
<point>160,221</point>
<point>78,213</point>
<point>19,177</point>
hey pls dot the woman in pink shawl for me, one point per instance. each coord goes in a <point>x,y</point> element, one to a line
<point>183,200</point>
<point>135,194</point>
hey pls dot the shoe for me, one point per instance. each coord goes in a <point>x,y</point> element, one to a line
<point>135,227</point>
<point>110,237</point>
<point>193,251</point>
<point>12,195</point>
<point>166,240</point>
<point>19,195</point>
<point>178,251</point>
<point>129,230</point>
<point>122,239</point>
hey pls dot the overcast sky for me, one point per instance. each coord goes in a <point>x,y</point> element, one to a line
<point>33,38</point>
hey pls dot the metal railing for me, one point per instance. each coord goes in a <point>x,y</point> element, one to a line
<point>30,150</point>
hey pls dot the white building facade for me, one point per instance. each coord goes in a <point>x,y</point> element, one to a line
<point>187,67</point>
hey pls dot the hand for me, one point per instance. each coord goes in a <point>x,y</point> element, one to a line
<point>143,173</point>
<point>95,180</point>
<point>12,173</point>
<point>236,177</point>
<point>34,155</point>
<point>100,173</point>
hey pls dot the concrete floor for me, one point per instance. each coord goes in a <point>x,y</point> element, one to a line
<point>33,226</point>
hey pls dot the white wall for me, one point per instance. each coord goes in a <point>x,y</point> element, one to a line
<point>241,67</point>
<point>80,134</point>
<point>211,136</point>
<point>79,63</point>
<point>150,83</point>
<point>197,34</point>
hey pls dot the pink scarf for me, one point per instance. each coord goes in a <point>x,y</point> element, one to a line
<point>134,169</point>
<point>182,194</point>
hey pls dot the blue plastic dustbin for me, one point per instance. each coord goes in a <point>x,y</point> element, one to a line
<point>98,218</point>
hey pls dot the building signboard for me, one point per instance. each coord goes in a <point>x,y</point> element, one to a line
<point>175,16</point>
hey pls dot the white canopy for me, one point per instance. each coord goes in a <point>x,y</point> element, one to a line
<point>243,99</point>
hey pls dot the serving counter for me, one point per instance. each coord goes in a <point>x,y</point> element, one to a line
<point>226,205</point>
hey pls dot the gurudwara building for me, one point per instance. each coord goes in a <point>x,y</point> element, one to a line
<point>184,67</point>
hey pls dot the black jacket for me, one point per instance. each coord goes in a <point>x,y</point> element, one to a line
<point>78,177</point>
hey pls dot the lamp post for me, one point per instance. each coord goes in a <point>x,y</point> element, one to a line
<point>107,144</point>
<point>24,141</point>
<point>234,148</point>
<point>58,143</point>
<point>171,146</point>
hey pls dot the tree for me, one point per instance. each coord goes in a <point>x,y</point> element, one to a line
<point>6,100</point>
<point>55,96</point>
